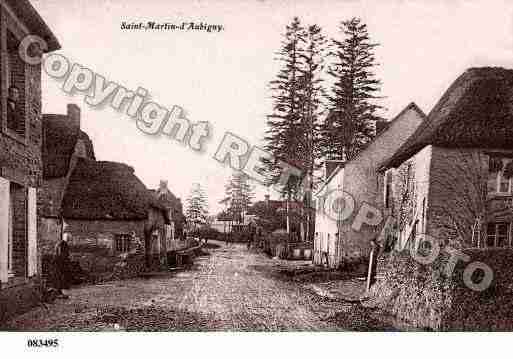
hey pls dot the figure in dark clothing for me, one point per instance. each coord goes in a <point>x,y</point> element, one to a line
<point>252,233</point>
<point>259,236</point>
<point>13,113</point>
<point>62,265</point>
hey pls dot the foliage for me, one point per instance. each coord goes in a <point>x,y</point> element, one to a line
<point>197,206</point>
<point>283,124</point>
<point>268,217</point>
<point>352,103</point>
<point>238,196</point>
<point>311,93</point>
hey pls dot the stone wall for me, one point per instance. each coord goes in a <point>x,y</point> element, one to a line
<point>18,299</point>
<point>21,155</point>
<point>92,245</point>
<point>20,160</point>
<point>361,181</point>
<point>413,293</point>
<point>411,195</point>
<point>458,194</point>
<point>425,297</point>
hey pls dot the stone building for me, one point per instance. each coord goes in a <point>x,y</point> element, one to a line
<point>20,156</point>
<point>174,204</point>
<point>118,227</point>
<point>63,143</point>
<point>451,181</point>
<point>336,241</point>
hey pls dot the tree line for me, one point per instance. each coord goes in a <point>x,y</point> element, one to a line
<point>324,102</point>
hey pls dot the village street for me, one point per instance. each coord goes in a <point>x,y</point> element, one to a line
<point>229,288</point>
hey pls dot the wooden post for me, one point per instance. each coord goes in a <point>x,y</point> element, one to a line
<point>371,261</point>
<point>287,211</point>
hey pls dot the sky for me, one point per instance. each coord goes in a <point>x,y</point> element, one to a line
<point>223,77</point>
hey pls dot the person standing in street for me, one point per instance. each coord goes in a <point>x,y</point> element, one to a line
<point>62,265</point>
<point>252,233</point>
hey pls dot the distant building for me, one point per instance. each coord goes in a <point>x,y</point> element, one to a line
<point>175,205</point>
<point>336,242</point>
<point>271,214</point>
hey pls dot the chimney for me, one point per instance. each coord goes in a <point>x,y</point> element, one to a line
<point>267,199</point>
<point>163,184</point>
<point>74,115</point>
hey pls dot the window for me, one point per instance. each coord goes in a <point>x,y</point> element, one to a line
<point>497,181</point>
<point>122,242</point>
<point>14,74</point>
<point>497,235</point>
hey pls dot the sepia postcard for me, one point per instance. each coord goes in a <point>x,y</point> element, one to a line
<point>308,167</point>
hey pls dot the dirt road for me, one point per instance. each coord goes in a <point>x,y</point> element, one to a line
<point>229,289</point>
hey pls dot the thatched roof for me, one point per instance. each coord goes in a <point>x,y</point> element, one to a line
<point>106,190</point>
<point>476,111</point>
<point>60,135</point>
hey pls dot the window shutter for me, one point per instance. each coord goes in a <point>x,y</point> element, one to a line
<point>32,231</point>
<point>4,228</point>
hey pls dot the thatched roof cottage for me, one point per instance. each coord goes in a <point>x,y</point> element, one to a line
<point>111,215</point>
<point>451,184</point>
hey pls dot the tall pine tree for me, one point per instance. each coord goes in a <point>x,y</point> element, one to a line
<point>311,93</point>
<point>284,130</point>
<point>293,127</point>
<point>352,103</point>
<point>312,108</point>
<point>197,206</point>
<point>284,125</point>
<point>238,196</point>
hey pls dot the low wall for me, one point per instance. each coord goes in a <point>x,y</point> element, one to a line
<point>19,299</point>
<point>92,247</point>
<point>423,296</point>
<point>278,245</point>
